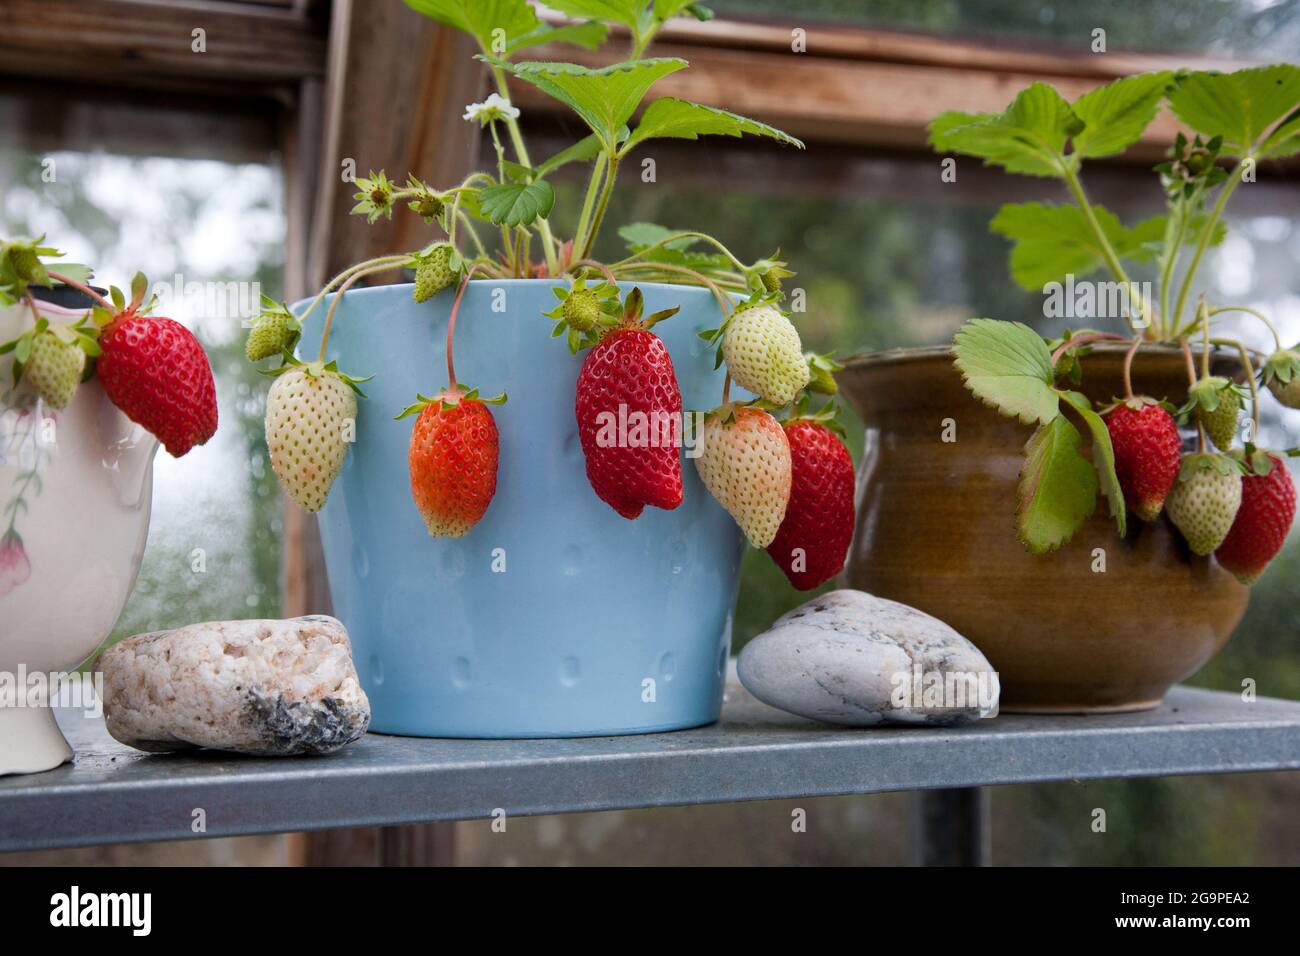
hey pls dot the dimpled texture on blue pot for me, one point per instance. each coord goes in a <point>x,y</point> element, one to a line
<point>597,625</point>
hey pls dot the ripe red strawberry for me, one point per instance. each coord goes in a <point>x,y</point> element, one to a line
<point>156,372</point>
<point>628,408</point>
<point>1147,453</point>
<point>1263,520</point>
<point>453,460</point>
<point>814,535</point>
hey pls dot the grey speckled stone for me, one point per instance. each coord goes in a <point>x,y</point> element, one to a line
<point>848,657</point>
<point>270,688</point>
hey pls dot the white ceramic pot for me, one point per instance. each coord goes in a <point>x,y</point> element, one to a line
<point>75,489</point>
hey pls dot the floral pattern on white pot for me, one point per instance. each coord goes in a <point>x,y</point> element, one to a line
<point>75,490</point>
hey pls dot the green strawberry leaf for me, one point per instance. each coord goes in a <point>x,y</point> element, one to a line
<point>517,204</point>
<point>1007,365</point>
<point>604,98</point>
<point>584,149</point>
<point>681,119</point>
<point>480,18</point>
<point>1114,116</point>
<point>626,12</point>
<point>641,236</point>
<point>588,35</point>
<point>1103,458</point>
<point>1058,487</point>
<point>1240,106</point>
<point>1283,141</point>
<point>1052,241</point>
<point>1027,137</point>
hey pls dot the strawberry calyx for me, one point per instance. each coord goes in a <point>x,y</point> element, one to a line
<point>590,313</point>
<point>1137,403</point>
<point>318,369</point>
<point>447,399</point>
<point>821,373</point>
<point>1208,394</point>
<point>1210,461</point>
<point>1282,366</point>
<point>426,202</point>
<point>374,196</point>
<point>827,416</point>
<point>1260,461</point>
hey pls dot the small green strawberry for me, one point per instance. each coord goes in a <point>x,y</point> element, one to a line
<point>54,368</point>
<point>1282,376</point>
<point>765,276</point>
<point>1204,500</point>
<point>763,353</point>
<point>1217,405</point>
<point>821,373</point>
<point>273,332</point>
<point>427,204</point>
<point>584,312</point>
<point>435,269</point>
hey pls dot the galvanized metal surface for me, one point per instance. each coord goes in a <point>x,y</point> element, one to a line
<point>113,794</point>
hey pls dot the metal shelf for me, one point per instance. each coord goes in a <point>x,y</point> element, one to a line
<point>113,794</point>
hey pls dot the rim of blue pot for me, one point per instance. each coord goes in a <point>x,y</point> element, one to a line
<point>406,287</point>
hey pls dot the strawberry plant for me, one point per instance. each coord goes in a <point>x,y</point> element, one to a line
<point>151,367</point>
<point>1232,122</point>
<point>496,223</point>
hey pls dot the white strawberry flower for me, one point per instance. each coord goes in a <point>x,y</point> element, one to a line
<point>495,107</point>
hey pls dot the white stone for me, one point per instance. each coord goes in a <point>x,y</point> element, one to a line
<point>850,658</point>
<point>270,688</point>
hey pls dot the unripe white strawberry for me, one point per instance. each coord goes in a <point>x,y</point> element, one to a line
<point>310,412</point>
<point>764,354</point>
<point>1205,499</point>
<point>745,463</point>
<point>53,368</point>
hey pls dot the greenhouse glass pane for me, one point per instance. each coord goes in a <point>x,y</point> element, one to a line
<point>209,235</point>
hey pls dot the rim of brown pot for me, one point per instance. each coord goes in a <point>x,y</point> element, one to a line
<point>918,353</point>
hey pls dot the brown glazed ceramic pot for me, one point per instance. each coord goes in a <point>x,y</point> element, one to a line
<point>936,530</point>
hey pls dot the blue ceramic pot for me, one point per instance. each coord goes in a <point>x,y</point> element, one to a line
<point>553,617</point>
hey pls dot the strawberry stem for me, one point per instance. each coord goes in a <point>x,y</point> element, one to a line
<point>338,297</point>
<point>600,267</point>
<point>1128,366</point>
<point>1084,340</point>
<point>81,287</point>
<point>1191,381</point>
<point>726,389</point>
<point>451,324</point>
<point>1277,339</point>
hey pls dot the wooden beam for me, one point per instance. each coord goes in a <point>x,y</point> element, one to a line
<point>835,100</point>
<point>395,90</point>
<point>75,116</point>
<point>151,43</point>
<point>840,41</point>
<point>396,87</point>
